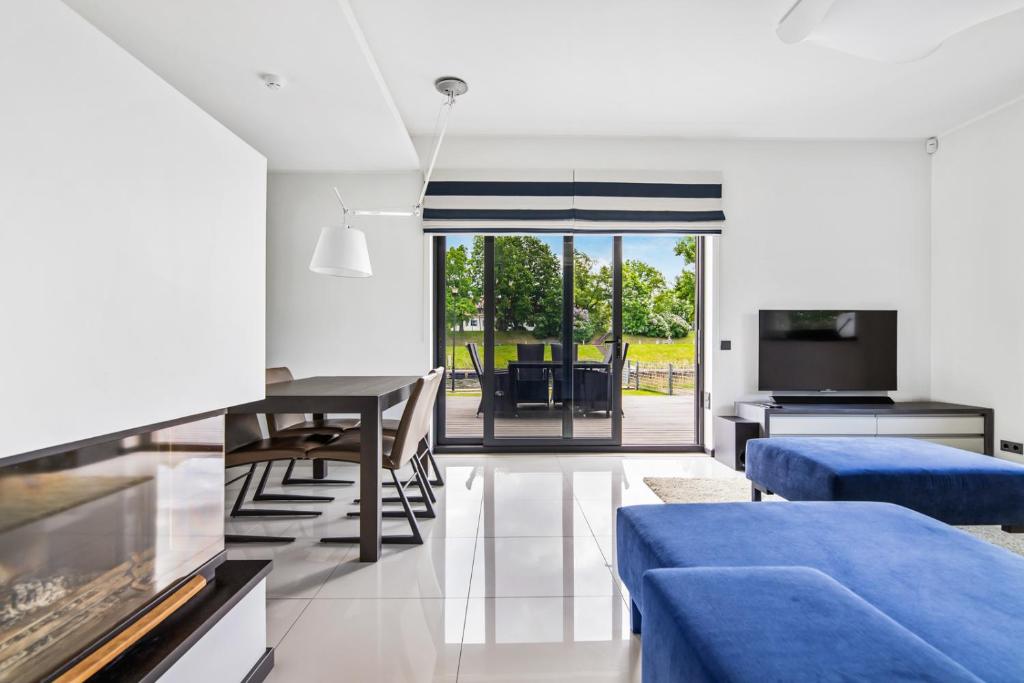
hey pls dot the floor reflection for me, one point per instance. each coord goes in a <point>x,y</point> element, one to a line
<point>516,580</point>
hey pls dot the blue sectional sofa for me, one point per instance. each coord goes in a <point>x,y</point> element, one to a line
<point>960,595</point>
<point>955,486</point>
<point>712,624</point>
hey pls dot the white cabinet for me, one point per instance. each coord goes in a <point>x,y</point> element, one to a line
<point>975,444</point>
<point>897,425</point>
<point>959,426</point>
<point>823,425</point>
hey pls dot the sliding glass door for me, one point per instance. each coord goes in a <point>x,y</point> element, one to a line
<point>550,363</point>
<point>586,341</point>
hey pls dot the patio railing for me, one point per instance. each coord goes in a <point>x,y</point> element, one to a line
<point>662,378</point>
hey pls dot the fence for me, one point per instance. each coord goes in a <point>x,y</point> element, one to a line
<point>662,378</point>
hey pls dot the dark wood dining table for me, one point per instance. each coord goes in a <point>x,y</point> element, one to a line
<point>369,397</point>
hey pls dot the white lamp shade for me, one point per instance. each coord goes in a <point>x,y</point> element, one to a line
<point>341,251</point>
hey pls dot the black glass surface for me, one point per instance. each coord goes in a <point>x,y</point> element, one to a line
<point>833,350</point>
<point>90,535</point>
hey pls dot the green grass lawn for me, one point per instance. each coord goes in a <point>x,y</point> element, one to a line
<point>643,349</point>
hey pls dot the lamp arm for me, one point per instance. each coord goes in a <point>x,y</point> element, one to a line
<point>450,104</point>
<point>344,209</point>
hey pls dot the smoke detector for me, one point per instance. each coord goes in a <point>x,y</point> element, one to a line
<point>273,81</point>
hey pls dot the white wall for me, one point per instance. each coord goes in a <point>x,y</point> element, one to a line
<point>321,325</point>
<point>132,237</point>
<point>809,225</point>
<point>977,243</point>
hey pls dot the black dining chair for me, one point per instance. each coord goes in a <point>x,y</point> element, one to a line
<point>502,396</point>
<point>594,385</point>
<point>531,384</point>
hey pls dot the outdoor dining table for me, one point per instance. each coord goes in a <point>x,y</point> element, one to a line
<point>369,397</point>
<point>554,367</point>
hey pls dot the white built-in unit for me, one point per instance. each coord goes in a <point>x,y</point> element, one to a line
<point>966,427</point>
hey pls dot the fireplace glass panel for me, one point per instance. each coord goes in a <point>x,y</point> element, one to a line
<point>91,536</point>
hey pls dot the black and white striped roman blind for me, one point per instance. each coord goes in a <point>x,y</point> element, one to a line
<point>573,202</point>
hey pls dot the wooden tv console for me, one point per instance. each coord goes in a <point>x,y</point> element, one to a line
<point>966,427</point>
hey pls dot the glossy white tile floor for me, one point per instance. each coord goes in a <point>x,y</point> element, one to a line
<point>515,582</point>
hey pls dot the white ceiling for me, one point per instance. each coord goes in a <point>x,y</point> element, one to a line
<point>674,68</point>
<point>689,68</point>
<point>334,112</point>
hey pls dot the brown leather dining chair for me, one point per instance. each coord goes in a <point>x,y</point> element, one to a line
<point>244,444</point>
<point>398,450</point>
<point>292,424</point>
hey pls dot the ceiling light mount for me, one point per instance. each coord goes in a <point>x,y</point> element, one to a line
<point>273,81</point>
<point>451,86</point>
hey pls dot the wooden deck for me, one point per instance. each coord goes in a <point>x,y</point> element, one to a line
<point>647,421</point>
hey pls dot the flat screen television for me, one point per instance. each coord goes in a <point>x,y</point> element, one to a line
<point>839,350</point>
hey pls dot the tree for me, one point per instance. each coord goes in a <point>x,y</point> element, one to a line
<point>687,248</point>
<point>462,295</point>
<point>685,286</point>
<point>592,294</point>
<point>527,285</point>
<point>641,284</point>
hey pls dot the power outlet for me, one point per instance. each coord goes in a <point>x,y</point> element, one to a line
<point>1011,447</point>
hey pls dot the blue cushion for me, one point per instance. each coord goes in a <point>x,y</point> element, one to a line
<point>963,596</point>
<point>946,483</point>
<point>776,624</point>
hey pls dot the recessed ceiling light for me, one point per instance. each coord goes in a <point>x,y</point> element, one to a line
<point>273,81</point>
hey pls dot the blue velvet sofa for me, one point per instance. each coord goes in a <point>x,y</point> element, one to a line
<point>712,624</point>
<point>955,486</point>
<point>958,594</point>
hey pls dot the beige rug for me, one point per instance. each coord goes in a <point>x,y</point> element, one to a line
<point>684,490</point>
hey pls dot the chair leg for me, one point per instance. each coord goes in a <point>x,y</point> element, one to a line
<point>288,480</point>
<point>244,538</point>
<point>237,511</point>
<point>424,479</point>
<point>426,453</point>
<point>415,537</point>
<point>261,496</point>
<point>421,514</point>
<point>438,479</point>
<point>424,485</point>
<point>426,496</point>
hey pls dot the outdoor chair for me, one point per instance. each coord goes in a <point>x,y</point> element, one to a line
<point>594,385</point>
<point>502,396</point>
<point>531,384</point>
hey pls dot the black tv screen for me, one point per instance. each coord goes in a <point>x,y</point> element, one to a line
<point>827,351</point>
